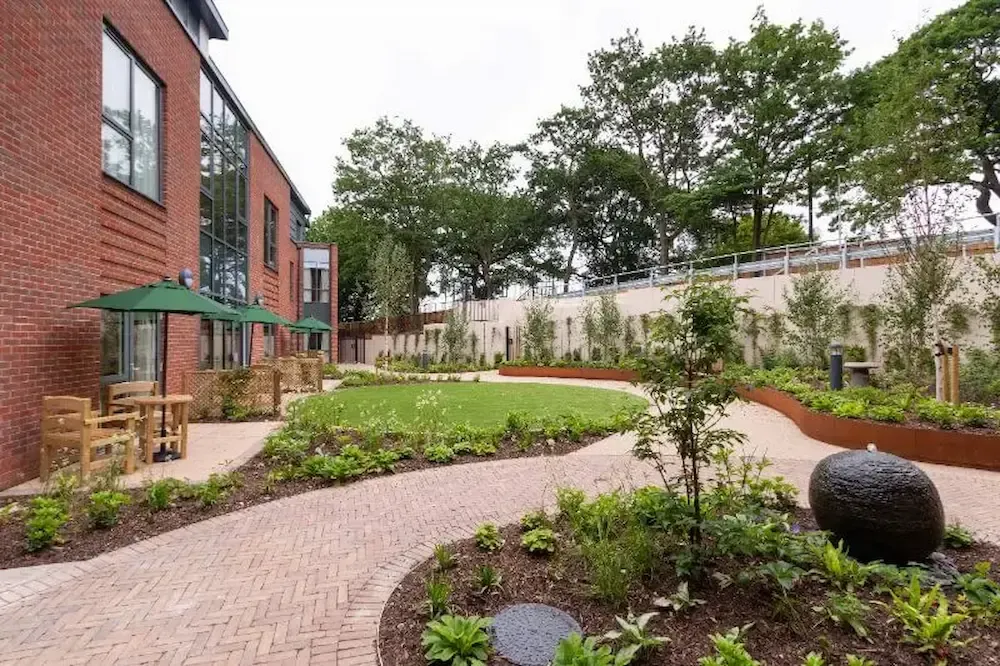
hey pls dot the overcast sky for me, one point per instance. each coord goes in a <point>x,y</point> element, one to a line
<point>311,71</point>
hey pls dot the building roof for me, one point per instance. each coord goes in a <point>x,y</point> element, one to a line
<point>217,28</point>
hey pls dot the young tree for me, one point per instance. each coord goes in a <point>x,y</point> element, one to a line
<point>391,281</point>
<point>355,240</point>
<point>779,93</point>
<point>455,335</point>
<point>690,400</point>
<point>539,330</point>
<point>812,311</point>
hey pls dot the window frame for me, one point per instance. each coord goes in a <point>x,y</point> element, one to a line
<point>270,234</point>
<point>134,62</point>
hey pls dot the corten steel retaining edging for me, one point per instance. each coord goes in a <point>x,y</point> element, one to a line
<point>932,445</point>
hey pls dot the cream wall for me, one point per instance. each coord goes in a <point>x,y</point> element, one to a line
<point>763,293</point>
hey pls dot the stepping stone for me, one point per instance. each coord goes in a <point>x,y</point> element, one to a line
<point>527,634</point>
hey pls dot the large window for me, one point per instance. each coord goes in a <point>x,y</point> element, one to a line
<point>316,288</point>
<point>270,234</point>
<point>221,345</point>
<point>224,192</point>
<point>130,131</point>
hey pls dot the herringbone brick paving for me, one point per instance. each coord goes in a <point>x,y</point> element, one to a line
<point>302,580</point>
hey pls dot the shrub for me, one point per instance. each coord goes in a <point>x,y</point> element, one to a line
<point>439,453</point>
<point>444,558</point>
<point>438,594</point>
<point>934,411</point>
<point>488,537</point>
<point>540,540</point>
<point>973,416</point>
<point>575,651</point>
<point>534,520</point>
<point>488,580</point>
<point>46,516</point>
<point>284,448</point>
<point>729,651</point>
<point>104,507</point>
<point>456,640</point>
<point>569,501</point>
<point>979,377</point>
<point>159,494</point>
<point>886,413</point>
<point>63,486</point>
<point>927,624</point>
<point>956,536</point>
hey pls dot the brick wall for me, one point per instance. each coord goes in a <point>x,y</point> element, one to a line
<point>70,233</point>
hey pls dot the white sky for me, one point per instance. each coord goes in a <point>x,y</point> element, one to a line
<point>311,71</point>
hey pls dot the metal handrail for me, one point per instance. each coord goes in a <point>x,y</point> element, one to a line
<point>781,259</point>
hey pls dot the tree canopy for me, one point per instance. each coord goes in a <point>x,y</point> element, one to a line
<point>675,151</point>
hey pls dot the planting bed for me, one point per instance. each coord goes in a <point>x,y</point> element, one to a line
<point>776,638</point>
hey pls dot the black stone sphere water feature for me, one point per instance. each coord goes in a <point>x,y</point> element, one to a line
<point>882,506</point>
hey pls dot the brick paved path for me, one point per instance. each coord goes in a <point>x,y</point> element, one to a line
<point>302,580</point>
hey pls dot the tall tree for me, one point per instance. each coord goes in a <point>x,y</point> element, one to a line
<point>393,176</point>
<point>935,116</point>
<point>391,280</point>
<point>657,106</point>
<point>780,92</point>
<point>559,152</point>
<point>355,244</point>
<point>491,231</point>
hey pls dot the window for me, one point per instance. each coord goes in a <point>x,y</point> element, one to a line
<point>221,345</point>
<point>223,273</point>
<point>316,285</point>
<point>130,129</point>
<point>297,224</point>
<point>268,340</point>
<point>112,343</point>
<point>270,234</point>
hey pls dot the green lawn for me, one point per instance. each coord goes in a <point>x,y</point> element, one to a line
<point>482,404</point>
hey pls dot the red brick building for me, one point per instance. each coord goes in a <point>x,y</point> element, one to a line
<point>126,157</point>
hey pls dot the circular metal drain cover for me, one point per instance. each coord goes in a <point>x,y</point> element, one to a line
<point>527,634</point>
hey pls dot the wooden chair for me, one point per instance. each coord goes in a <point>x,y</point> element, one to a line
<point>68,423</point>
<point>116,397</point>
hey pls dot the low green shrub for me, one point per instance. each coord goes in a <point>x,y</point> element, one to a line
<point>438,596</point>
<point>104,507</point>
<point>534,520</point>
<point>729,651</point>
<point>539,541</point>
<point>956,536</point>
<point>574,650</point>
<point>457,641</point>
<point>488,537</point>
<point>160,494</point>
<point>45,518</point>
<point>439,453</point>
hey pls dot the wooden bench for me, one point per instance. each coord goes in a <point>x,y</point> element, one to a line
<point>68,423</point>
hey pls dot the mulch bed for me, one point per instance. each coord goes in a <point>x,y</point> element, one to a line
<point>560,581</point>
<point>138,522</point>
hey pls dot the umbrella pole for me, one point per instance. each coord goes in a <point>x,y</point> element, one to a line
<point>163,455</point>
<point>250,351</point>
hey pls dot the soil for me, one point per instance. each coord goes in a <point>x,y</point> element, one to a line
<point>776,639</point>
<point>137,521</point>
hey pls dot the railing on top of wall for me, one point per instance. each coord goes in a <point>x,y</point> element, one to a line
<point>768,261</point>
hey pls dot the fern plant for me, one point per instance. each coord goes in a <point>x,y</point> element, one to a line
<point>927,622</point>
<point>729,651</point>
<point>457,641</point>
<point>847,610</point>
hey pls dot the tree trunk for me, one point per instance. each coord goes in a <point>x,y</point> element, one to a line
<point>661,230</point>
<point>987,188</point>
<point>574,230</point>
<point>809,202</point>
<point>758,221</point>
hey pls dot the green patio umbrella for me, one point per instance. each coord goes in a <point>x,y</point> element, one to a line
<point>258,314</point>
<point>310,325</point>
<point>167,297</point>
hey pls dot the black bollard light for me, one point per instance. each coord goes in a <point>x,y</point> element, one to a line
<point>836,366</point>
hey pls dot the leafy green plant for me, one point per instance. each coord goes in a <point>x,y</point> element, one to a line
<point>956,536</point>
<point>934,411</point>
<point>729,651</point>
<point>980,591</point>
<point>784,575</point>
<point>439,453</point>
<point>539,540</point>
<point>284,448</point>
<point>488,580</point>
<point>104,507</point>
<point>845,609</point>
<point>569,501</point>
<point>46,516</point>
<point>839,568</point>
<point>574,650</point>
<point>634,635</point>
<point>457,640</point>
<point>926,620</point>
<point>161,493</point>
<point>488,537</point>
<point>444,558</point>
<point>63,486</point>
<point>534,520</point>
<point>679,601</point>
<point>814,659</point>
<point>438,593</point>
<point>854,660</point>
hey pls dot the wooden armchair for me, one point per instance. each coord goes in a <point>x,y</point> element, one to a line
<point>116,397</point>
<point>68,423</point>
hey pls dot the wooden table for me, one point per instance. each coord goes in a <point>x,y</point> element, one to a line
<point>176,436</point>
